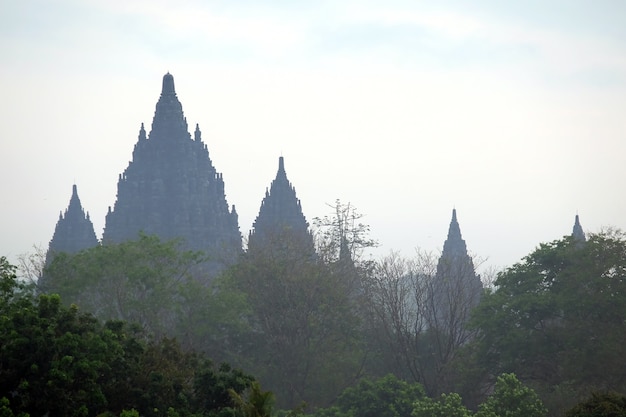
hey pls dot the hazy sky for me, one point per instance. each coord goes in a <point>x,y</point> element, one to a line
<point>512,112</point>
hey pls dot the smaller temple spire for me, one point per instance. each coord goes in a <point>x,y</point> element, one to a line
<point>74,230</point>
<point>168,85</point>
<point>454,232</point>
<point>457,288</point>
<point>142,133</point>
<point>281,169</point>
<point>280,215</point>
<point>577,233</point>
<point>197,135</point>
<point>454,245</point>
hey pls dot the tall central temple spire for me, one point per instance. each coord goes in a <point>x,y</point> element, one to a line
<point>171,188</point>
<point>169,122</point>
<point>168,85</point>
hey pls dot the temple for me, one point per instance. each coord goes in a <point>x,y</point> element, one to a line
<point>74,230</point>
<point>171,189</point>
<point>457,288</point>
<point>280,221</point>
<point>577,233</point>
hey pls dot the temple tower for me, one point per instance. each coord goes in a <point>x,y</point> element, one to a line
<point>280,221</point>
<point>577,233</point>
<point>74,230</point>
<point>171,189</point>
<point>457,288</point>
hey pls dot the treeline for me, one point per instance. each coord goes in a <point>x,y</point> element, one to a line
<point>58,361</point>
<point>311,325</point>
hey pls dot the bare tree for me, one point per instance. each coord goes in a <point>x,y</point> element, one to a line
<point>31,264</point>
<point>342,234</point>
<point>419,310</point>
<point>396,297</point>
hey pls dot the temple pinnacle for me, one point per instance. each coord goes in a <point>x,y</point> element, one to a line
<point>168,85</point>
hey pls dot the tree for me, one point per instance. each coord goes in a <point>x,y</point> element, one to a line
<point>303,309</point>
<point>51,357</point>
<point>512,399</point>
<point>303,340</point>
<point>556,318</point>
<point>384,397</point>
<point>607,404</point>
<point>342,235</point>
<point>140,281</point>
<point>450,405</point>
<point>55,360</point>
<point>255,402</point>
<point>31,265</point>
<point>419,311</point>
<point>215,386</point>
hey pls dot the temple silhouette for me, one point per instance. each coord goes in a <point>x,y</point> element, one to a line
<point>280,221</point>
<point>74,229</point>
<point>171,189</point>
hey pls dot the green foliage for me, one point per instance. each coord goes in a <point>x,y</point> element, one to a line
<point>52,358</point>
<point>385,397</point>
<point>302,338</point>
<point>6,411</point>
<point>55,360</point>
<point>556,319</point>
<point>143,281</point>
<point>446,406</point>
<point>512,399</point>
<point>609,404</point>
<point>255,402</point>
<point>214,388</point>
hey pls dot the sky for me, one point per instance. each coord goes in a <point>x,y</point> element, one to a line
<point>514,113</point>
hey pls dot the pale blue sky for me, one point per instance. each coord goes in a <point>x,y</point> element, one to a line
<point>512,112</point>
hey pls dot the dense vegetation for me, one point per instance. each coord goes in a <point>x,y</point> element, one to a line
<point>344,335</point>
<point>57,361</point>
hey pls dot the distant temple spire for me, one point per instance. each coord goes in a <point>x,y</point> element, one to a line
<point>169,122</point>
<point>454,242</point>
<point>168,85</point>
<point>74,230</point>
<point>577,233</point>
<point>456,288</point>
<point>454,246</point>
<point>142,133</point>
<point>280,216</point>
<point>281,167</point>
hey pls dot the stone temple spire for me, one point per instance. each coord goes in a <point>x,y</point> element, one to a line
<point>280,216</point>
<point>74,230</point>
<point>169,122</point>
<point>456,288</point>
<point>577,233</point>
<point>454,246</point>
<point>171,188</point>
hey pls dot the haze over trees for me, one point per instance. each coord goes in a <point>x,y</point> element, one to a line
<point>310,324</point>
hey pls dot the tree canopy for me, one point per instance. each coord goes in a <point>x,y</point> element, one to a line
<point>57,360</point>
<point>556,319</point>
